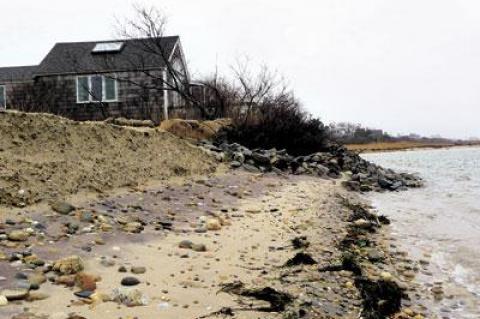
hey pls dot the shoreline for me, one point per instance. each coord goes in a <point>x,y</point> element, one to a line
<point>257,216</point>
<point>394,147</point>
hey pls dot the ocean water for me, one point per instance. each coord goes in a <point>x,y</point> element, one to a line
<point>439,223</point>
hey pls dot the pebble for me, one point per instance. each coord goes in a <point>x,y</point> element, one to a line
<point>129,297</point>
<point>63,208</point>
<point>86,281</point>
<point>138,270</point>
<point>84,294</point>
<point>213,224</point>
<point>130,281</point>
<point>3,301</point>
<point>186,244</point>
<point>69,265</point>
<point>14,293</point>
<point>18,235</point>
<point>199,247</point>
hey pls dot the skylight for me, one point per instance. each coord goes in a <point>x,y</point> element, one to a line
<point>108,47</point>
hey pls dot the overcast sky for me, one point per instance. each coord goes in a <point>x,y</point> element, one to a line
<point>402,65</point>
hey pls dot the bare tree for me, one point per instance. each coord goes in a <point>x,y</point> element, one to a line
<point>148,25</point>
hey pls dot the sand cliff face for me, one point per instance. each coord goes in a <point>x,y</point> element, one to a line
<point>45,157</point>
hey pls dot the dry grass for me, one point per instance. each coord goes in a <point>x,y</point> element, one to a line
<point>395,146</point>
<point>192,129</point>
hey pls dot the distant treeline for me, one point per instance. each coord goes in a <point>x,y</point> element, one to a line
<point>350,133</point>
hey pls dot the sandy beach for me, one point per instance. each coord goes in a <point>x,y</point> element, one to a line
<point>257,217</point>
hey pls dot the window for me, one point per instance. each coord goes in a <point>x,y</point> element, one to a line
<point>108,47</point>
<point>3,96</point>
<point>110,89</point>
<point>96,88</point>
<point>83,89</point>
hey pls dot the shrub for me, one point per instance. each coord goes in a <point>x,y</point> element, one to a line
<point>280,126</point>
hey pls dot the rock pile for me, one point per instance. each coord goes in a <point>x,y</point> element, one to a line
<point>362,175</point>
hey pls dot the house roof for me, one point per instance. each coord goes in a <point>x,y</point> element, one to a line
<point>17,73</point>
<point>77,57</point>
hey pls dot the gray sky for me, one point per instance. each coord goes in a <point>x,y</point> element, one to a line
<point>402,65</point>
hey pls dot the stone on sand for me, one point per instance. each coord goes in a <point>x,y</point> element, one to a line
<point>130,281</point>
<point>214,224</point>
<point>14,293</point>
<point>69,265</point>
<point>63,208</point>
<point>18,235</point>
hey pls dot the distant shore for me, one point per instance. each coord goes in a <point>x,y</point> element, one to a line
<point>403,146</point>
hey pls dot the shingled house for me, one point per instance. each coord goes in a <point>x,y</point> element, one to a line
<point>96,80</point>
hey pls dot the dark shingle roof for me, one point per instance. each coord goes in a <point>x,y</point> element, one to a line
<point>17,73</point>
<point>77,57</point>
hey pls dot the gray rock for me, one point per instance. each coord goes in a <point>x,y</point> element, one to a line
<point>63,208</point>
<point>238,157</point>
<point>235,164</point>
<point>186,244</point>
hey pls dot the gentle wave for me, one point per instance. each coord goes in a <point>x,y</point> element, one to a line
<point>442,218</point>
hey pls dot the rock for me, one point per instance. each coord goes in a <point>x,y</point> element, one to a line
<point>86,217</point>
<point>261,158</point>
<point>63,208</point>
<point>213,224</point>
<point>199,247</point>
<point>33,260</point>
<point>100,297</point>
<point>18,235</point>
<point>138,270</point>
<point>37,279</point>
<point>375,255</point>
<point>86,281</point>
<point>185,244</point>
<point>362,223</point>
<point>3,301</point>
<point>129,297</point>
<point>67,280</point>
<point>239,158</point>
<point>384,183</point>
<point>133,227</point>
<point>322,170</point>
<point>68,266</point>
<point>130,281</point>
<point>235,164</point>
<point>84,294</point>
<point>386,276</point>
<point>14,293</point>
<point>107,262</point>
<point>36,296</point>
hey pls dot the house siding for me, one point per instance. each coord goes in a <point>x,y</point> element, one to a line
<point>139,97</point>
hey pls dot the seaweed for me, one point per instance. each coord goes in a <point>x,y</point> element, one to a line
<point>380,298</point>
<point>300,259</point>
<point>277,300</point>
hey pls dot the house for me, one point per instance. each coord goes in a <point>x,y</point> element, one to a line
<point>96,80</point>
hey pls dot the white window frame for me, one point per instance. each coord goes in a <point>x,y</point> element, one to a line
<point>78,91</point>
<point>90,97</point>
<point>104,91</point>
<point>4,106</point>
